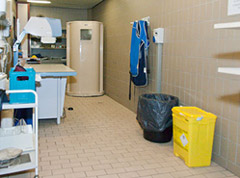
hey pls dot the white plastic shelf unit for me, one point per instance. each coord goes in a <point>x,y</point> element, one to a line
<point>33,136</point>
<point>230,25</point>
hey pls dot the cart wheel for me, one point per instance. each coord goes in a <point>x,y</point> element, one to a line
<point>36,176</point>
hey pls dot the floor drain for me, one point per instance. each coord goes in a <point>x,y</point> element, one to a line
<point>70,108</point>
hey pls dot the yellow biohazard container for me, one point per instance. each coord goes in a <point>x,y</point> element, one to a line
<point>193,132</point>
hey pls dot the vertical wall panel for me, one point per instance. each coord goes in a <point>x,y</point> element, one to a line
<point>23,16</point>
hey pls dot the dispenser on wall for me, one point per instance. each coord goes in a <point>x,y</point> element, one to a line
<point>158,35</point>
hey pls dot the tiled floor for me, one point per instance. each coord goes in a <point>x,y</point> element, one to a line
<point>102,139</point>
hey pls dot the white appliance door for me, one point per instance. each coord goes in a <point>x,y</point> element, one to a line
<point>47,94</point>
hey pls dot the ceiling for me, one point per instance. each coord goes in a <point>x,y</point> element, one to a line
<point>77,4</point>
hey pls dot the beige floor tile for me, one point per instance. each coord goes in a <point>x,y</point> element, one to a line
<point>115,170</point>
<point>200,170</point>
<point>197,176</point>
<point>111,161</point>
<point>215,175</point>
<point>81,169</point>
<point>102,166</point>
<point>75,175</point>
<point>96,173</point>
<point>148,172</point>
<point>117,165</point>
<point>45,173</point>
<point>181,174</point>
<point>109,176</point>
<point>134,168</point>
<point>162,176</point>
<point>128,175</point>
<point>54,176</point>
<point>62,171</point>
<point>50,167</point>
<point>71,165</point>
<point>152,166</point>
<point>165,170</point>
<point>102,139</point>
<point>90,163</point>
<point>227,173</point>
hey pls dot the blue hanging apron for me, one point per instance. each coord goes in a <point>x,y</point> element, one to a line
<point>139,55</point>
<point>135,49</point>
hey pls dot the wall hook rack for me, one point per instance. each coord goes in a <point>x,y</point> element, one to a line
<point>147,19</point>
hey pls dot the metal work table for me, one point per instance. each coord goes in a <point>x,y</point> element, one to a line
<point>51,89</point>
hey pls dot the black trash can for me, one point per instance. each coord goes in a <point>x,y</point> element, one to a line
<point>154,114</point>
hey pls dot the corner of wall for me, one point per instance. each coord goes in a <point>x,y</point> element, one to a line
<point>89,14</point>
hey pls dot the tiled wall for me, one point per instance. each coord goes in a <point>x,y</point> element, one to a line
<point>65,14</point>
<point>192,52</point>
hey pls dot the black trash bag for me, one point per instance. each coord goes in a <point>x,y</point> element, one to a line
<point>154,112</point>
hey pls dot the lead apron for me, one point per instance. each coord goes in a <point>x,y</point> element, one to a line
<point>139,55</point>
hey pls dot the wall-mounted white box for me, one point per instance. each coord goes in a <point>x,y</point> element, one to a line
<point>158,35</point>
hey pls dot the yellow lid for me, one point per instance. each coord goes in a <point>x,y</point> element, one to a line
<point>34,57</point>
<point>193,112</point>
